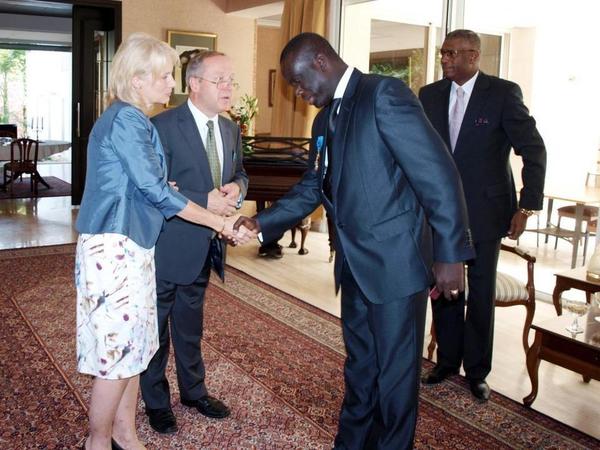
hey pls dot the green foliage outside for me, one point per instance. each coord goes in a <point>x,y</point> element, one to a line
<point>413,73</point>
<point>389,70</point>
<point>12,83</point>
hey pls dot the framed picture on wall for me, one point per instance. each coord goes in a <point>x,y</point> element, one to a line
<point>187,44</point>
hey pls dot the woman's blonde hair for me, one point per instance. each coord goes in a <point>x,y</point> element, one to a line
<point>139,55</point>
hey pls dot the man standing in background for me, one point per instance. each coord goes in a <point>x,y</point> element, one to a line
<point>480,117</point>
<point>204,158</point>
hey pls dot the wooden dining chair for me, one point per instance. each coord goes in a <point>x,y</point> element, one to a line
<point>23,160</point>
<point>509,291</point>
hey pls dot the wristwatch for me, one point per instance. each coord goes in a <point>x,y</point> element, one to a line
<point>527,212</point>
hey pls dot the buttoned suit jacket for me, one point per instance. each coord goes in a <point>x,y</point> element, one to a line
<point>182,247</point>
<point>392,179</point>
<point>495,120</point>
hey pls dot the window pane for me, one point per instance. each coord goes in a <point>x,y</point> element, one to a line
<point>490,54</point>
<point>393,38</point>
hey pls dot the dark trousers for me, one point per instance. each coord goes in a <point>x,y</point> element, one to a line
<point>384,345</point>
<point>180,308</point>
<point>470,339</point>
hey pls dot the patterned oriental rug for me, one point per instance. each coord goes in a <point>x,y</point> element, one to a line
<point>22,189</point>
<point>274,360</point>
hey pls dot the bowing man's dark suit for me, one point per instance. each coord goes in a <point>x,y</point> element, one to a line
<point>391,175</point>
<point>494,121</point>
<point>184,252</point>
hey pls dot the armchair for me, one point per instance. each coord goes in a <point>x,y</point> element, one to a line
<point>510,291</point>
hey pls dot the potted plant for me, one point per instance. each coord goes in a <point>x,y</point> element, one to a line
<point>243,112</point>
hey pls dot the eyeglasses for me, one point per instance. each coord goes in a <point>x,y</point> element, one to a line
<point>453,53</point>
<point>222,83</point>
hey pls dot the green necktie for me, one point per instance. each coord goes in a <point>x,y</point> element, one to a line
<point>213,157</point>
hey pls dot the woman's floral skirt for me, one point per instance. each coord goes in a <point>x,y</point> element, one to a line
<point>117,327</point>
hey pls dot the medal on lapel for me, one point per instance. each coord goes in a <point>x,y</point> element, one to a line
<point>320,141</point>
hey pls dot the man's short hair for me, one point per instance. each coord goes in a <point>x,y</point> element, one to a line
<point>470,36</point>
<point>195,66</point>
<point>309,44</point>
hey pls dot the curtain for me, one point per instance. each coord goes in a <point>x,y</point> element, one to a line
<point>293,117</point>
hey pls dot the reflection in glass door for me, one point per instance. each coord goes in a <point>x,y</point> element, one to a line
<point>407,61</point>
<point>393,38</point>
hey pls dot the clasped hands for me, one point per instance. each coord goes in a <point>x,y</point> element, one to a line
<point>224,201</point>
<point>239,230</point>
<point>235,234</point>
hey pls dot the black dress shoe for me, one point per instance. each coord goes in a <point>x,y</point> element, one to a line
<point>162,420</point>
<point>271,250</point>
<point>209,406</point>
<point>438,374</point>
<point>479,389</point>
<point>114,445</point>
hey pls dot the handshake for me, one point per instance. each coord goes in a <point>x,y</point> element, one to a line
<point>238,230</point>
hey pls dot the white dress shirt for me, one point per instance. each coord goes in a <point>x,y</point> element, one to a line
<point>339,93</point>
<point>200,118</point>
<point>467,87</point>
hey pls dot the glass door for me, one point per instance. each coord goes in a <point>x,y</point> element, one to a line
<point>388,37</point>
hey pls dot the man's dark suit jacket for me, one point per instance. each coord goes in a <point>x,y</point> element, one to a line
<point>182,247</point>
<point>495,120</point>
<point>391,171</point>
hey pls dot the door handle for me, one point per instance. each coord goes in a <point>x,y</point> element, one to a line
<point>78,119</point>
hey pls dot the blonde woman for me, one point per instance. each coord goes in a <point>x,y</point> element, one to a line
<point>125,201</point>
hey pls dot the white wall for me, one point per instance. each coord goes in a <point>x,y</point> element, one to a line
<point>566,97</point>
<point>552,57</point>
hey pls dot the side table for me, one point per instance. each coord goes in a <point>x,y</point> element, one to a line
<point>576,279</point>
<point>553,343</point>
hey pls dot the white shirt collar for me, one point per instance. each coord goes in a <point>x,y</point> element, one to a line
<point>467,86</point>
<point>199,116</point>
<point>201,119</point>
<point>343,83</point>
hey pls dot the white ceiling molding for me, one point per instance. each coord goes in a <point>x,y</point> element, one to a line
<point>259,12</point>
<point>272,21</point>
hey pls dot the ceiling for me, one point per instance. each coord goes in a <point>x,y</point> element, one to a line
<point>36,8</point>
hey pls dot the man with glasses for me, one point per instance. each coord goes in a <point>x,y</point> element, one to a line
<point>204,158</point>
<point>481,117</point>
